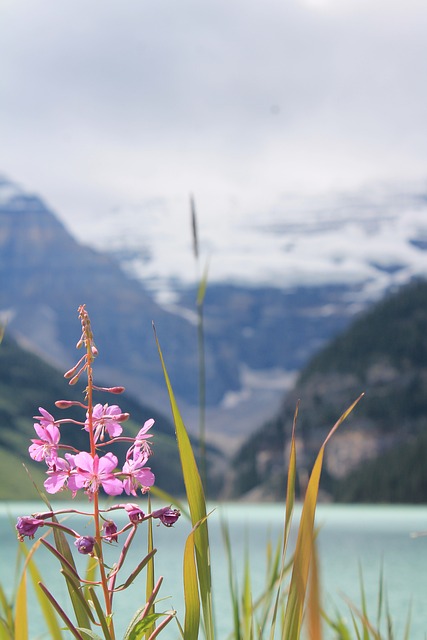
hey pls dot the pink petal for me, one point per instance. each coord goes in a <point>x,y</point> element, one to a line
<point>113,486</point>
<point>107,464</point>
<point>145,477</point>
<point>147,425</point>
<point>114,429</point>
<point>85,462</point>
<point>55,482</point>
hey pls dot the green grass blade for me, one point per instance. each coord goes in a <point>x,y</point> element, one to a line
<point>21,612</point>
<point>247,608</point>
<point>302,558</point>
<point>45,606</point>
<point>197,506</point>
<point>7,618</point>
<point>234,593</point>
<point>5,631</point>
<point>304,544</point>
<point>380,596</point>
<point>290,488</point>
<point>407,633</point>
<point>100,613</point>
<point>314,605</point>
<point>290,502</point>
<point>364,616</point>
<point>191,591</point>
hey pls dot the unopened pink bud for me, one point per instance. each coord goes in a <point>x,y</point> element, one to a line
<point>72,371</point>
<point>64,404</point>
<point>75,379</point>
<point>109,389</point>
<point>94,350</point>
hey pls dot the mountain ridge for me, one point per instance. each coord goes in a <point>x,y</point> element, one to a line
<point>382,354</point>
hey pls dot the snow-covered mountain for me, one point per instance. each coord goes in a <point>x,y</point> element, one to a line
<point>281,283</point>
<point>370,240</point>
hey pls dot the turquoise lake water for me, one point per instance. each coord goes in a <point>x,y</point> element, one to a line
<point>351,539</point>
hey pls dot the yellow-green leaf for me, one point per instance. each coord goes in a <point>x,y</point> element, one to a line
<point>197,505</point>
<point>21,612</point>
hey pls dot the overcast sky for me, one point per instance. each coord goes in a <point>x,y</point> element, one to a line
<point>110,103</point>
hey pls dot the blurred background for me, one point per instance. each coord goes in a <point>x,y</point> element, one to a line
<point>298,132</point>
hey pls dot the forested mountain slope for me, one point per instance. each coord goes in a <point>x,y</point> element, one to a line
<point>379,452</point>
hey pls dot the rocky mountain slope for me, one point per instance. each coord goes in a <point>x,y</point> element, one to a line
<point>379,452</point>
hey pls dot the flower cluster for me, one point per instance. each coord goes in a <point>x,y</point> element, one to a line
<point>82,470</point>
<point>93,471</point>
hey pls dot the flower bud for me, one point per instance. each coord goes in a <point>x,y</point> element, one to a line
<point>166,515</point>
<point>85,544</point>
<point>134,512</point>
<point>110,531</point>
<point>64,404</point>
<point>27,526</point>
<point>109,389</point>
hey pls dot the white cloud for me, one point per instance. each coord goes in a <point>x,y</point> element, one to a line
<point>105,103</point>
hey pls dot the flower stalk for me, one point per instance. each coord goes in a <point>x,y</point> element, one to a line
<point>92,472</point>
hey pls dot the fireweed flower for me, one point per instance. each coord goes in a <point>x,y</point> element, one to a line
<point>110,531</point>
<point>137,475</point>
<point>85,544</point>
<point>46,447</point>
<point>60,475</point>
<point>167,515</point>
<point>46,418</point>
<point>27,526</point>
<point>141,444</point>
<point>134,512</point>
<point>91,473</point>
<point>106,418</point>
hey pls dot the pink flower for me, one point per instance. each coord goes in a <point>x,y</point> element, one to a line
<point>85,544</point>
<point>46,447</point>
<point>106,418</point>
<point>137,475</point>
<point>46,418</point>
<point>91,473</point>
<point>110,531</point>
<point>27,526</point>
<point>134,512</point>
<point>60,474</point>
<point>141,445</point>
<point>167,515</point>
